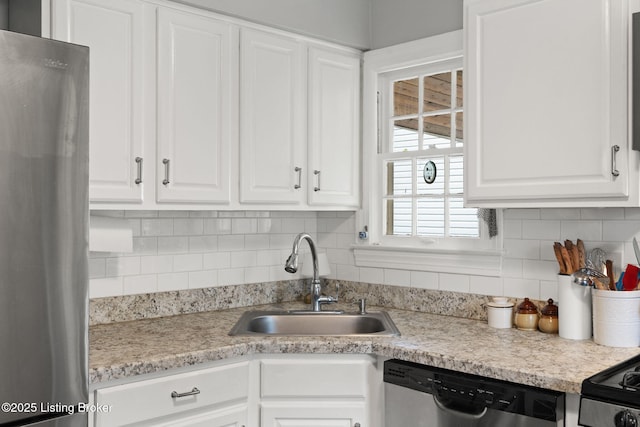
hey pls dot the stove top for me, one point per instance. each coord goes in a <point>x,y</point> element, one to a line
<point>619,384</point>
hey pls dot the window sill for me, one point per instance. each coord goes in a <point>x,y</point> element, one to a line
<point>473,262</point>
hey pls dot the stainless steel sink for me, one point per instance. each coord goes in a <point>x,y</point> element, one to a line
<point>303,323</point>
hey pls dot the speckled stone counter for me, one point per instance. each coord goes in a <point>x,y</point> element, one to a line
<point>125,349</point>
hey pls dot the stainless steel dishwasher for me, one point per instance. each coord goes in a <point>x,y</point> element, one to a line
<point>425,396</point>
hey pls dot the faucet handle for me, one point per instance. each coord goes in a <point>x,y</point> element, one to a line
<point>362,304</point>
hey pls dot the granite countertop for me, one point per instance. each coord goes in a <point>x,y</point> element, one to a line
<point>126,349</point>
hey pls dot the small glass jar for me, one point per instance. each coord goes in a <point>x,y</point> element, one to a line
<point>548,322</point>
<point>526,317</point>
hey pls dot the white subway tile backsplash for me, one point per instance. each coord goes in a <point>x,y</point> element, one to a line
<point>203,279</point>
<point>539,229</point>
<point>522,249</point>
<point>173,245</point>
<point>484,285</point>
<point>106,287</point>
<point>203,243</point>
<point>244,226</point>
<point>424,280</point>
<point>176,250</point>
<point>394,277</point>
<point>231,276</point>
<point>141,284</point>
<point>157,227</point>
<point>145,245</point>
<point>187,262</point>
<point>216,260</point>
<point>122,266</point>
<point>372,275</point>
<point>188,226</point>
<point>256,274</point>
<point>256,241</point>
<point>454,282</point>
<point>243,259</point>
<point>231,242</point>
<point>585,230</point>
<point>97,268</point>
<point>620,231</point>
<point>156,264</point>
<point>217,226</point>
<point>522,288</point>
<point>173,281</point>
<point>560,213</point>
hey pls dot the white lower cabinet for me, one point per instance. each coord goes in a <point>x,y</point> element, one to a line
<point>214,396</point>
<point>316,391</point>
<point>268,390</point>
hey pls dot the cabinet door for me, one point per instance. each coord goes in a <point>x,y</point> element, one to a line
<point>315,414</point>
<point>334,128</point>
<point>114,31</point>
<point>545,105</point>
<point>273,116</point>
<point>195,87</point>
<point>235,416</point>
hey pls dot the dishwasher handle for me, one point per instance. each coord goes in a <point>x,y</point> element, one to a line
<point>474,414</point>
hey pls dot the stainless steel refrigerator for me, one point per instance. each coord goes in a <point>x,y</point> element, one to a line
<point>43,231</point>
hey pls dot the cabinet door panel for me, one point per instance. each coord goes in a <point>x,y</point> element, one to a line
<point>194,117</point>
<point>334,128</point>
<point>230,417</point>
<point>113,31</point>
<point>317,414</point>
<point>272,110</point>
<point>545,107</point>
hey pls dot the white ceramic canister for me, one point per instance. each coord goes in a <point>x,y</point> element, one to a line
<point>500,313</point>
<point>574,309</point>
<point>616,318</point>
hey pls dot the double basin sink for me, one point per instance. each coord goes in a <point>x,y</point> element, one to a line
<point>305,323</point>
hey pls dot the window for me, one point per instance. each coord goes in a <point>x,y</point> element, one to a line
<point>413,162</point>
<point>421,153</point>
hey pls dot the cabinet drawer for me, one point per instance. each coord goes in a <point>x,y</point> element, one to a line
<point>311,378</point>
<point>144,400</point>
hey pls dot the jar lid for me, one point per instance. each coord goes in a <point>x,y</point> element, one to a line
<point>527,307</point>
<point>500,302</point>
<point>550,309</point>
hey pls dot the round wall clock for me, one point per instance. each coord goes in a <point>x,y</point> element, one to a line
<point>429,172</point>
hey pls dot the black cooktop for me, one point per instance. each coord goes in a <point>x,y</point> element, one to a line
<point>618,384</point>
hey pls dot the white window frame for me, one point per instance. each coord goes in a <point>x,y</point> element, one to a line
<point>481,256</point>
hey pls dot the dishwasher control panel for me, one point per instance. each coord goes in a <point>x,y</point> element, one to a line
<point>473,392</point>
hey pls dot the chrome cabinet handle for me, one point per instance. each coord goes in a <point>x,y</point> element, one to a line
<point>166,181</point>
<point>193,392</point>
<point>139,177</point>
<point>614,170</point>
<point>299,184</point>
<point>317,173</point>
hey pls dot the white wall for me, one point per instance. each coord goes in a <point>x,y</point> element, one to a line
<point>341,21</point>
<point>399,21</point>
<point>363,24</point>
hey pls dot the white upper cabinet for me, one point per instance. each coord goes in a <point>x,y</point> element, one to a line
<point>114,31</point>
<point>272,114</point>
<point>334,128</point>
<point>195,110</point>
<point>546,105</point>
<point>195,121</point>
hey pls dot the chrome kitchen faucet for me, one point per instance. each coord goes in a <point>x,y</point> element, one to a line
<point>291,266</point>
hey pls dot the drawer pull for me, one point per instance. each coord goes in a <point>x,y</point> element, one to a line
<point>193,392</point>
